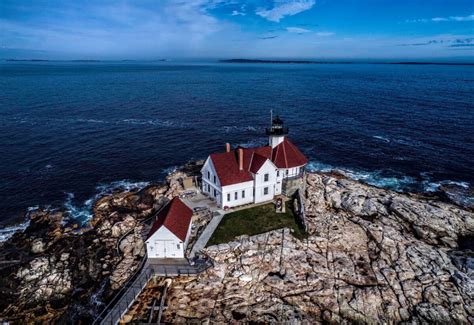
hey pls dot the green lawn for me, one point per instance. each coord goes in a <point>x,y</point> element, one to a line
<point>255,221</point>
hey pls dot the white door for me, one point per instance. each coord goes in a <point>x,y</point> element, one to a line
<point>171,249</point>
<point>165,248</point>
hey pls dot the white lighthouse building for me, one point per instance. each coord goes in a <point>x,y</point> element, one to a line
<point>253,175</point>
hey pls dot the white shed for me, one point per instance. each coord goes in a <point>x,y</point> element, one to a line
<point>169,234</point>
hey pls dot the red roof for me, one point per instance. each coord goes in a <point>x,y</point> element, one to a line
<point>227,164</point>
<point>257,162</point>
<point>285,155</point>
<point>176,217</point>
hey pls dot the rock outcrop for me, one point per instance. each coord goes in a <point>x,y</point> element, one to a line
<point>63,273</point>
<point>372,256</point>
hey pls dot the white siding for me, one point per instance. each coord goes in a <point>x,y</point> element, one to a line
<point>163,243</point>
<point>275,140</point>
<point>210,182</point>
<point>236,190</point>
<point>260,184</point>
<point>254,190</point>
<point>290,172</point>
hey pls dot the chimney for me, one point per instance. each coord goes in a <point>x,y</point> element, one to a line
<point>241,159</point>
<point>227,147</point>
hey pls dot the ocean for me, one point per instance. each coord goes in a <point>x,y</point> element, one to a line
<point>72,131</point>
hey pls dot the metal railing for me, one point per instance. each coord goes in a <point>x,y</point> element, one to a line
<point>116,308</point>
<point>123,299</point>
<point>133,277</point>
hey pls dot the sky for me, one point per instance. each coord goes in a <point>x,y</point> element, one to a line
<point>155,29</point>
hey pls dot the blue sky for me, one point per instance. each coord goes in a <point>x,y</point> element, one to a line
<point>150,29</point>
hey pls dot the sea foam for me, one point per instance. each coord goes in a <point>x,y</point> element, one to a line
<point>79,213</point>
<point>82,212</point>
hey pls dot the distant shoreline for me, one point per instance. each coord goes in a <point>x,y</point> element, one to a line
<point>248,61</point>
<point>85,60</point>
<point>338,62</point>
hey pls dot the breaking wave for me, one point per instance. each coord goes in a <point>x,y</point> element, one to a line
<point>82,212</point>
<point>459,192</point>
<point>234,128</point>
<point>78,212</point>
<point>258,142</point>
<point>405,141</point>
<point>7,232</point>
<point>170,170</point>
<point>375,178</point>
<point>379,137</point>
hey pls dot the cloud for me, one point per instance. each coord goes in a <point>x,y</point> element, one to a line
<point>324,33</point>
<point>297,30</point>
<point>285,8</point>
<point>442,19</point>
<point>240,12</point>
<point>237,13</point>
<point>115,30</point>
<point>268,37</point>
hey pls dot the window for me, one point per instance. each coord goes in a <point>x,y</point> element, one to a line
<point>265,191</point>
<point>287,172</point>
<point>243,194</point>
<point>235,195</point>
<point>215,193</point>
<point>178,246</point>
<point>208,175</point>
<point>209,188</point>
<point>214,179</point>
<point>228,196</point>
<point>278,173</point>
<point>265,177</point>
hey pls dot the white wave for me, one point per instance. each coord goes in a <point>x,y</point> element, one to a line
<point>457,191</point>
<point>155,122</point>
<point>170,170</point>
<point>89,121</point>
<point>408,142</point>
<point>374,178</point>
<point>82,213</point>
<point>123,185</point>
<point>319,167</point>
<point>379,137</point>
<point>254,143</point>
<point>79,213</point>
<point>234,128</point>
<point>7,232</point>
<point>434,186</point>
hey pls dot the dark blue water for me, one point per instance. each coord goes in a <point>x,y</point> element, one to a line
<point>71,130</point>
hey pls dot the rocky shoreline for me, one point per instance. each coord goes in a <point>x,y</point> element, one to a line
<point>372,255</point>
<point>63,273</point>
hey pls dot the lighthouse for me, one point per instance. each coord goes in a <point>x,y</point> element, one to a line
<point>276,133</point>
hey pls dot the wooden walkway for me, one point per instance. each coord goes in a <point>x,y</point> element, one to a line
<point>120,304</point>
